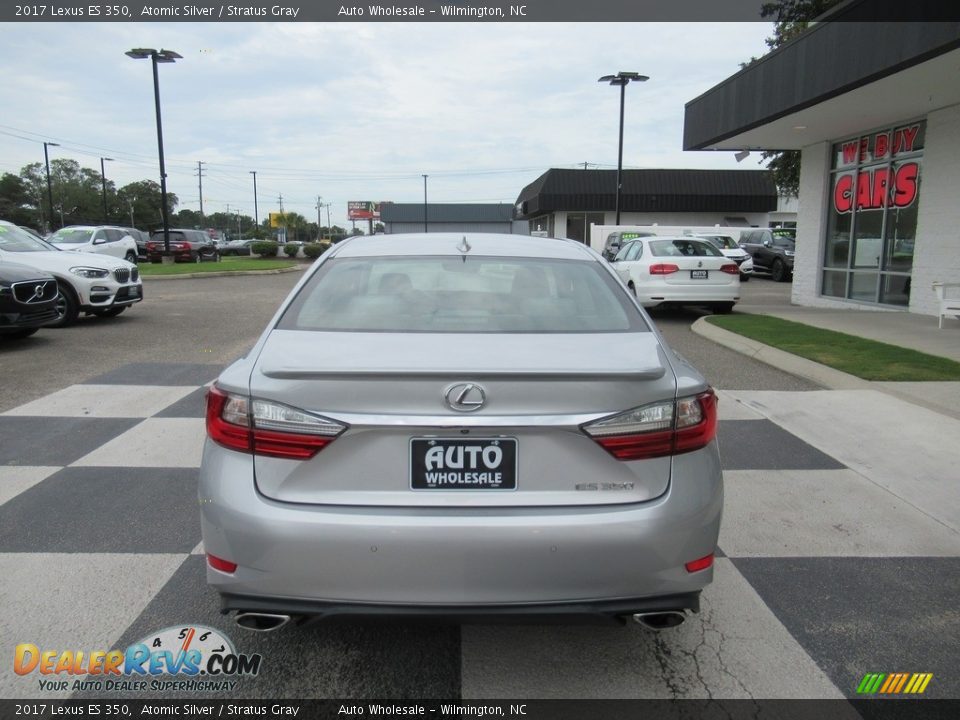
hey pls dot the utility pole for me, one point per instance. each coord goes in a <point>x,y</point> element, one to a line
<point>319,206</point>
<point>283,227</point>
<point>425,203</point>
<point>328,216</point>
<point>200,165</point>
<point>256,211</point>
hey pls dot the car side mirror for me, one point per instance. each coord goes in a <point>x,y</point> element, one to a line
<point>768,243</point>
<point>99,241</point>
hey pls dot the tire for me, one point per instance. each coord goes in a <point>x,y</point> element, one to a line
<point>778,271</point>
<point>68,307</point>
<point>131,257</point>
<point>722,308</point>
<point>19,334</point>
<point>744,278</point>
<point>196,258</point>
<point>110,311</point>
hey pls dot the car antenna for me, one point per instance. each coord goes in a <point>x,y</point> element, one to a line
<point>464,247</point>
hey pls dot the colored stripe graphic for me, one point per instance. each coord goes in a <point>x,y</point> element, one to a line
<point>894,683</point>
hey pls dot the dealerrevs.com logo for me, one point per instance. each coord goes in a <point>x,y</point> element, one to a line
<point>184,658</point>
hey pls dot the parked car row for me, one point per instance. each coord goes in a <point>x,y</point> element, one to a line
<point>84,281</point>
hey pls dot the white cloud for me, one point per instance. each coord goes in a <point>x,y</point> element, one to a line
<point>359,111</point>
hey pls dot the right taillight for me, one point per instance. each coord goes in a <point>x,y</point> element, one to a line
<point>263,427</point>
<point>660,429</point>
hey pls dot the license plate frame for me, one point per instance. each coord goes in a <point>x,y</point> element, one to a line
<point>477,470</point>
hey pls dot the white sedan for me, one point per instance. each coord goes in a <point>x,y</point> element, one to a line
<point>663,271</point>
<point>729,247</point>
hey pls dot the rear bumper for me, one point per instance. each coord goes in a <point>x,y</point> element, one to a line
<point>600,610</point>
<point>469,560</point>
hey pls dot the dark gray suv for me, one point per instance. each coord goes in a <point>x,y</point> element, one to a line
<point>771,253</point>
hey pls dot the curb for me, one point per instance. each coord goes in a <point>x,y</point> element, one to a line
<point>793,364</point>
<point>224,273</point>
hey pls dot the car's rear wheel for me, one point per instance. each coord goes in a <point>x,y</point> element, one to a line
<point>744,277</point>
<point>778,271</point>
<point>109,312</point>
<point>722,308</point>
<point>68,307</point>
<point>131,257</point>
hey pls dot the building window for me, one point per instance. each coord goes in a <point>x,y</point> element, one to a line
<point>872,224</point>
<point>578,225</point>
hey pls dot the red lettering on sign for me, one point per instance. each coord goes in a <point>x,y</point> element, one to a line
<point>842,195</point>
<point>906,185</point>
<point>877,189</point>
<point>849,153</point>
<point>881,145</point>
<point>864,146</point>
<point>881,177</point>
<point>905,139</point>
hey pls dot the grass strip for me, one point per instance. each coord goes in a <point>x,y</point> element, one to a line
<point>232,264</point>
<point>867,359</point>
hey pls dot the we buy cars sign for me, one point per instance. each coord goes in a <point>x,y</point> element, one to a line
<point>872,188</point>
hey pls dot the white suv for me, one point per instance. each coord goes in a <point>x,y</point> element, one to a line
<point>103,239</point>
<point>89,283</point>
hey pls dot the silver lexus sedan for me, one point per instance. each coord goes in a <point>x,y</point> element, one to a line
<point>460,426</point>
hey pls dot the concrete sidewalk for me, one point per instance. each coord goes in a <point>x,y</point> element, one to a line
<point>916,332</point>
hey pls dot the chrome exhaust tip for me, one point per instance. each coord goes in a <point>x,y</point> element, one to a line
<point>261,622</point>
<point>658,621</point>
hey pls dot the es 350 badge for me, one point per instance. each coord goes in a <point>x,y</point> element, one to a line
<point>182,658</point>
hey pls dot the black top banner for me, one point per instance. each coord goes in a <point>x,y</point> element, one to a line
<point>453,11</point>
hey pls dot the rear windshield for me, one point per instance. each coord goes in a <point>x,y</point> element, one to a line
<point>679,248</point>
<point>723,242</point>
<point>462,295</point>
<point>174,236</point>
<point>72,237</point>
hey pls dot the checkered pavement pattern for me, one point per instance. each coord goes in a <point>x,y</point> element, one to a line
<point>837,558</point>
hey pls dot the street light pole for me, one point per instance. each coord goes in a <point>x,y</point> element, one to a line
<point>256,213</point>
<point>622,79</point>
<point>103,185</point>
<point>425,203</point>
<point>163,56</point>
<point>46,160</point>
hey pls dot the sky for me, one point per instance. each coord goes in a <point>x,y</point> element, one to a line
<point>359,111</point>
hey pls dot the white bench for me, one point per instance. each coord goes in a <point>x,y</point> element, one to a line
<point>949,296</point>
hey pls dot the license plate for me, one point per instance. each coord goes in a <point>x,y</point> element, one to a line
<point>698,274</point>
<point>134,292</point>
<point>463,464</point>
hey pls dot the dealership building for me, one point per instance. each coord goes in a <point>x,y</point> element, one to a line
<point>874,108</point>
<point>564,203</point>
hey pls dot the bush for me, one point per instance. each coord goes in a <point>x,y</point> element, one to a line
<point>291,250</point>
<point>266,248</point>
<point>315,250</point>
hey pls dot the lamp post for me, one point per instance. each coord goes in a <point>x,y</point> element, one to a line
<point>103,185</point>
<point>46,160</point>
<point>256,213</point>
<point>622,79</point>
<point>161,56</point>
<point>425,203</point>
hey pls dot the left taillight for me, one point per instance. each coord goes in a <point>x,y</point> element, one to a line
<point>263,427</point>
<point>667,428</point>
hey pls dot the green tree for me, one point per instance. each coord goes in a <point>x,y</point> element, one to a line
<point>140,203</point>
<point>77,193</point>
<point>791,18</point>
<point>16,205</point>
<point>187,219</point>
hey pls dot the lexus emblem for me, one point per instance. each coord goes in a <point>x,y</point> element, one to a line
<point>465,397</point>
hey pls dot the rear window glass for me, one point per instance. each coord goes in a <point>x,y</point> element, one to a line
<point>679,248</point>
<point>175,236</point>
<point>462,295</point>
